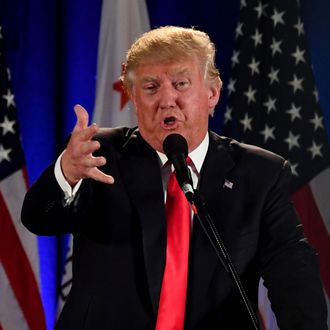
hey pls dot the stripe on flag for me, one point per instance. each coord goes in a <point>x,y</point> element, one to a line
<point>21,306</point>
<point>320,188</point>
<point>314,229</point>
<point>11,315</point>
<point>19,270</point>
<point>13,189</point>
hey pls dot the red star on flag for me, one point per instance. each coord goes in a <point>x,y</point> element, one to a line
<point>118,87</point>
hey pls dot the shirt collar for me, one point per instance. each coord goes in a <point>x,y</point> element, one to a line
<point>197,155</point>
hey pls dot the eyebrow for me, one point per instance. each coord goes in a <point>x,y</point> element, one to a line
<point>149,78</point>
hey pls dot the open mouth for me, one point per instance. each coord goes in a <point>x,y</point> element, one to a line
<point>169,120</point>
<point>170,123</point>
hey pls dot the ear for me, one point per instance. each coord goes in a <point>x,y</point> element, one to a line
<point>214,95</point>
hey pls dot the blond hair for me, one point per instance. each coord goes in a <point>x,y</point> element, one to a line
<point>171,44</point>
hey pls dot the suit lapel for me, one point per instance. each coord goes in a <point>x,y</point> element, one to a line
<point>141,173</point>
<point>218,162</point>
<point>203,260</point>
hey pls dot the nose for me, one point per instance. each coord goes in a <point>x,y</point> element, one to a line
<point>168,96</point>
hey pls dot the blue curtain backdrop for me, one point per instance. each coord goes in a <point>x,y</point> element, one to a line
<point>52,50</point>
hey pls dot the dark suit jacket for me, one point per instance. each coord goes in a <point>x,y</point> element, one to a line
<point>120,240</point>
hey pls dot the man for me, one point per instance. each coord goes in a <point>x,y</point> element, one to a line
<point>108,189</point>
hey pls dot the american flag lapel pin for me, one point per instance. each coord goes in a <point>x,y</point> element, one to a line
<point>228,184</point>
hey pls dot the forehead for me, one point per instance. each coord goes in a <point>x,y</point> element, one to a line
<point>158,70</point>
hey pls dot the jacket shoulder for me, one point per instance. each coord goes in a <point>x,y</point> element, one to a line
<point>237,149</point>
<point>117,135</point>
<point>249,157</point>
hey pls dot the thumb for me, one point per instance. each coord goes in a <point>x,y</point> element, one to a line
<point>82,118</point>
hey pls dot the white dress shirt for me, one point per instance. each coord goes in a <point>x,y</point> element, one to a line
<point>197,156</point>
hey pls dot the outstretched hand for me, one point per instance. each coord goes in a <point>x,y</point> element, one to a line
<point>77,160</point>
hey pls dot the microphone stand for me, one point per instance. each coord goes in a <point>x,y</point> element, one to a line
<point>205,220</point>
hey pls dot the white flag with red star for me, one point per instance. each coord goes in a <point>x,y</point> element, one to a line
<point>122,22</point>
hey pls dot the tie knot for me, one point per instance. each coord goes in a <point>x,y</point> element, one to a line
<point>188,160</point>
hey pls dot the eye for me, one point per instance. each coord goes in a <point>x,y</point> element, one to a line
<point>150,88</point>
<point>182,84</point>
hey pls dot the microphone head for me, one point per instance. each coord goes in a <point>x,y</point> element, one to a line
<point>175,144</point>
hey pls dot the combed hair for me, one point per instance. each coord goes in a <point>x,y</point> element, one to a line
<point>170,44</point>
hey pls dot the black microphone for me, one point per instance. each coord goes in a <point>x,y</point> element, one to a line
<point>175,147</point>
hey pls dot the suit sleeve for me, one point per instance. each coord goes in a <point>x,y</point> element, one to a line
<point>45,211</point>
<point>289,265</point>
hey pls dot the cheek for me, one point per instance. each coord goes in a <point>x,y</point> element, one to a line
<point>138,105</point>
<point>200,107</point>
<point>143,104</point>
<point>199,117</point>
<point>145,114</point>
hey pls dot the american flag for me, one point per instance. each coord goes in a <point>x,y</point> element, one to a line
<point>20,300</point>
<point>273,103</point>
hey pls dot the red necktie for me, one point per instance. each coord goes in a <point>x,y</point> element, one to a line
<point>172,304</point>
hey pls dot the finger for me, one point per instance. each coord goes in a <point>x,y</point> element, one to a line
<point>80,143</point>
<point>87,133</point>
<point>89,147</point>
<point>98,175</point>
<point>82,117</point>
<point>90,162</point>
